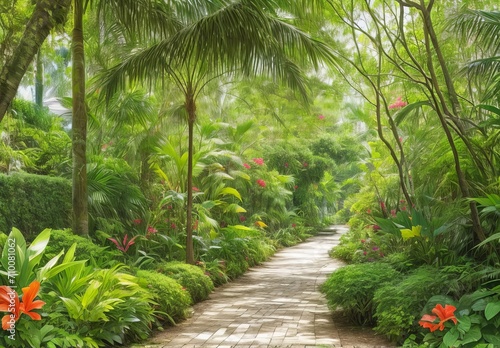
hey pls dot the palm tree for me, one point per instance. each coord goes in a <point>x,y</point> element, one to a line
<point>243,38</point>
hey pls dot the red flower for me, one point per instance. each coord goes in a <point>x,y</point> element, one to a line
<point>376,227</point>
<point>403,208</point>
<point>261,183</point>
<point>443,313</point>
<point>369,211</point>
<point>242,218</point>
<point>321,117</point>
<point>9,302</point>
<point>398,104</point>
<point>195,189</point>
<point>305,164</point>
<point>294,225</point>
<point>286,165</point>
<point>246,165</point>
<point>259,161</point>
<point>137,221</point>
<point>393,212</point>
<point>363,241</point>
<point>151,230</point>
<point>173,226</point>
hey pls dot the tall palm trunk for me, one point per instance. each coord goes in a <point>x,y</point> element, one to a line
<point>191,111</point>
<point>46,15</point>
<point>79,126</point>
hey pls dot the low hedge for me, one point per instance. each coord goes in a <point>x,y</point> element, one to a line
<point>172,299</point>
<point>191,277</point>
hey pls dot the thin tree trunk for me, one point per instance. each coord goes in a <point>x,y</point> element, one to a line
<point>47,14</point>
<point>39,80</point>
<point>191,111</point>
<point>79,126</point>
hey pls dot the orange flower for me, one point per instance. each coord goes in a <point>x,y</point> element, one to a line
<point>9,302</point>
<point>29,294</point>
<point>443,313</point>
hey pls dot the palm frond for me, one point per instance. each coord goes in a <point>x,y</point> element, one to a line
<point>238,38</point>
<point>482,27</point>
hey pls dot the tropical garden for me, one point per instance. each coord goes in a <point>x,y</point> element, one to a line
<point>151,150</point>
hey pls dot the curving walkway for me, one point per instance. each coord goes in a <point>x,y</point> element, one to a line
<point>276,305</point>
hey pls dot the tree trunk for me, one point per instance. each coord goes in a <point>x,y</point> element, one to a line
<point>191,111</point>
<point>47,14</point>
<point>79,126</point>
<point>39,80</point>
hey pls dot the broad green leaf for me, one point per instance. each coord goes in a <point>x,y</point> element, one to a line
<point>451,337</point>
<point>473,335</point>
<point>51,263</point>
<point>492,309</point>
<point>90,294</point>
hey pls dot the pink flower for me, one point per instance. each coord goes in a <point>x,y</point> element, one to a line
<point>246,165</point>
<point>403,208</point>
<point>398,104</point>
<point>259,161</point>
<point>195,189</point>
<point>393,212</point>
<point>151,230</point>
<point>261,183</point>
<point>382,205</point>
<point>321,117</point>
<point>137,221</point>
<point>375,248</point>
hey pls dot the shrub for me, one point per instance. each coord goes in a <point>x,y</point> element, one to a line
<point>351,288</point>
<point>172,300</point>
<point>399,305</point>
<point>33,202</point>
<point>85,248</point>
<point>216,271</point>
<point>191,277</point>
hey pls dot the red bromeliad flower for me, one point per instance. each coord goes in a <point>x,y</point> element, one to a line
<point>9,302</point>
<point>261,183</point>
<point>124,245</point>
<point>151,230</point>
<point>246,165</point>
<point>443,313</point>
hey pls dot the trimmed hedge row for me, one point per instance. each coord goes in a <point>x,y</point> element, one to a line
<point>32,203</point>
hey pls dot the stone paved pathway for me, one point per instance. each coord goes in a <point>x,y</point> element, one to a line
<point>277,304</point>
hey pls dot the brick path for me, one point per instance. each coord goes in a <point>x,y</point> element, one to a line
<point>274,305</point>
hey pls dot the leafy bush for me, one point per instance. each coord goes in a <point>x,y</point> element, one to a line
<point>191,277</point>
<point>85,248</point>
<point>172,299</point>
<point>216,271</point>
<point>398,305</point>
<point>351,288</point>
<point>34,202</point>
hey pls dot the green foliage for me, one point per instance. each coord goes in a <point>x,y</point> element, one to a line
<point>290,236</point>
<point>398,304</point>
<point>32,114</point>
<point>352,288</point>
<point>110,308</point>
<point>215,270</point>
<point>33,202</point>
<point>85,248</point>
<point>172,300</point>
<point>196,282</point>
